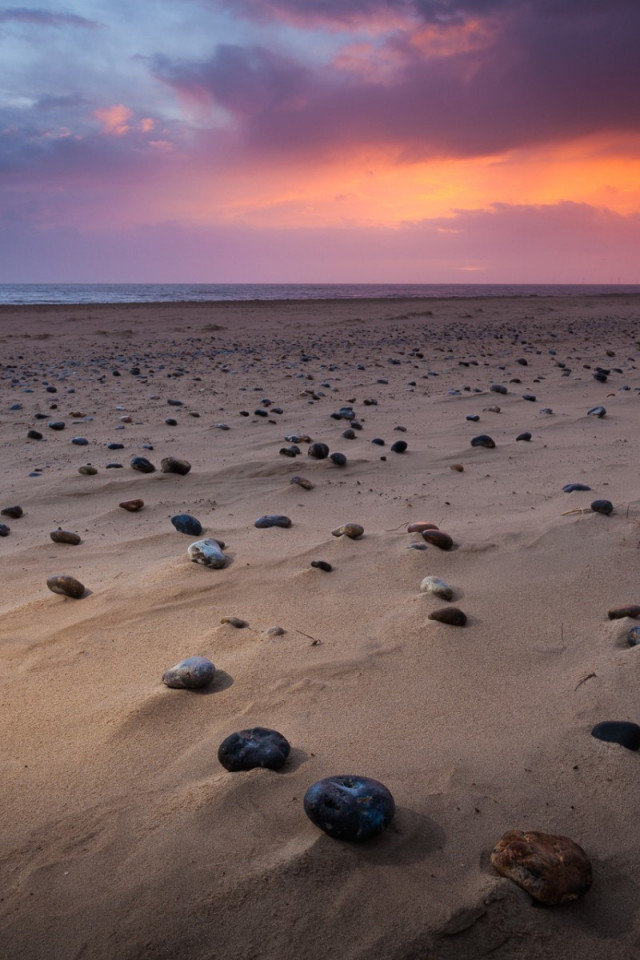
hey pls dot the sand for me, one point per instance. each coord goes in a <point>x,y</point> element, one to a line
<point>121,834</point>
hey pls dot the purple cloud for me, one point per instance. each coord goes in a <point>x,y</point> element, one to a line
<point>46,18</point>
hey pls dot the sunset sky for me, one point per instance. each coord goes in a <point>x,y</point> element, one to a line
<point>424,141</point>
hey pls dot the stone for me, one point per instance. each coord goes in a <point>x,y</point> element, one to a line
<point>575,487</point>
<point>56,425</point>
<point>498,388</point>
<point>322,565</point>
<point>275,631</point>
<point>142,465</point>
<point>419,525</point>
<point>175,465</point>
<point>524,436</point>
<point>185,523</point>
<point>351,530</point>
<point>256,747</point>
<point>236,622</point>
<point>349,807</point>
<point>438,538</point>
<point>399,446</point>
<point>207,552</point>
<point>14,512</point>
<point>602,506</point>
<point>553,869</point>
<point>88,470</point>
<point>624,732</point>
<point>4,530</point>
<point>338,458</point>
<point>437,587</point>
<point>617,613</point>
<point>451,615</point>
<point>34,435</point>
<point>66,585</point>
<point>190,674</point>
<point>457,467</point>
<point>80,441</point>
<point>133,505</point>
<point>483,441</point>
<point>473,417</point>
<point>529,396</point>
<point>302,482</point>
<point>65,536</point>
<point>597,412</point>
<point>272,520</point>
<point>319,451</point>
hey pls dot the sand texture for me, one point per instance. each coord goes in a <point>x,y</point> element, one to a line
<point>122,837</point>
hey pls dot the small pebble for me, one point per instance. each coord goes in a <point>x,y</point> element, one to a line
<point>4,530</point>
<point>275,631</point>
<point>416,546</point>
<point>451,615</point>
<point>529,396</point>
<point>133,506</point>
<point>66,585</point>
<point>88,470</point>
<point>624,732</point>
<point>319,451</point>
<point>437,587</point>
<point>302,482</point>
<point>56,425</point>
<point>185,523</point>
<point>234,622</point>
<point>80,441</point>
<point>14,512</point>
<point>174,465</point>
<point>602,506</point>
<point>483,441</point>
<point>190,674</point>
<point>399,446</point>
<point>257,747</point>
<point>351,530</point>
<point>379,442</point>
<point>172,422</point>
<point>551,868</point>
<point>473,417</point>
<point>633,637</point>
<point>498,388</point>
<point>338,458</point>
<point>142,465</point>
<point>457,467</point>
<point>34,435</point>
<point>575,487</point>
<point>65,536</point>
<point>349,807</point>
<point>524,436</point>
<point>419,525</point>
<point>272,520</point>
<point>322,565</point>
<point>438,538</point>
<point>207,552</point>
<point>597,412</point>
<point>115,446</point>
<point>633,610</point>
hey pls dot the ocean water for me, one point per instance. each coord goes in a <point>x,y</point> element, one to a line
<point>77,293</point>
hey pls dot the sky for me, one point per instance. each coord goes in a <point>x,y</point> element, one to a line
<point>311,141</point>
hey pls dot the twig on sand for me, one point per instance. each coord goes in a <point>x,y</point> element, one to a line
<point>584,680</point>
<point>315,640</point>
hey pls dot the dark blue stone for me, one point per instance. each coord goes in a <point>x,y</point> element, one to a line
<point>573,487</point>
<point>56,425</point>
<point>379,441</point>
<point>258,747</point>
<point>4,530</point>
<point>141,464</point>
<point>633,637</point>
<point>349,807</point>
<point>399,446</point>
<point>272,520</point>
<point>80,441</point>
<point>185,523</point>
<point>602,506</point>
<point>624,732</point>
<point>498,388</point>
<point>529,396</point>
<point>320,451</point>
<point>338,458</point>
<point>524,436</point>
<point>190,674</point>
<point>483,441</point>
<point>15,406</point>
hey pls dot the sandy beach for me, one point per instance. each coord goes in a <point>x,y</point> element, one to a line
<point>122,836</point>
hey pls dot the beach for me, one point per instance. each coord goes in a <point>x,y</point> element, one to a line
<point>122,835</point>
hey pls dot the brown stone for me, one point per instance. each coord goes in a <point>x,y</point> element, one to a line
<point>438,538</point>
<point>552,868</point>
<point>132,505</point>
<point>633,610</point>
<point>419,525</point>
<point>451,615</point>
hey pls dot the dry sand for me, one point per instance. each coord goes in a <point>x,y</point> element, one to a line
<point>121,835</point>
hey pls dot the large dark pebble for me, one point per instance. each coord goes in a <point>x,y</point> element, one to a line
<point>114,445</point>
<point>498,388</point>
<point>175,465</point>
<point>524,436</point>
<point>66,585</point>
<point>320,451</point>
<point>190,674</point>
<point>624,732</point>
<point>185,523</point>
<point>65,536</point>
<point>4,530</point>
<point>56,424</point>
<point>473,417</point>
<point>14,512</point>
<point>618,613</point>
<point>322,565</point>
<point>399,446</point>
<point>575,487</point>
<point>349,807</point>
<point>348,434</point>
<point>600,377</point>
<point>34,435</point>
<point>597,412</point>
<point>483,441</point>
<point>338,458</point>
<point>451,615</point>
<point>257,747</point>
<point>438,538</point>
<point>80,441</point>
<point>378,441</point>
<point>602,506</point>
<point>272,520</point>
<point>142,465</point>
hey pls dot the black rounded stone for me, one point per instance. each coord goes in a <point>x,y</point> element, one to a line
<point>484,440</point>
<point>322,565</point>
<point>56,424</point>
<point>4,530</point>
<point>349,807</point>
<point>575,487</point>
<point>34,435</point>
<point>14,512</point>
<point>320,451</point>
<point>624,732</point>
<point>349,434</point>
<point>338,458</point>
<point>257,747</point>
<point>602,506</point>
<point>524,436</point>
<point>399,446</point>
<point>473,417</point>
<point>115,446</point>
<point>272,520</point>
<point>498,388</point>
<point>185,523</point>
<point>142,465</point>
<point>379,441</point>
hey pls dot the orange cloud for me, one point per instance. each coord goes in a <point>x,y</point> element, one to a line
<point>114,119</point>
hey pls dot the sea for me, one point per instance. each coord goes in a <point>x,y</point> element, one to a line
<point>79,293</point>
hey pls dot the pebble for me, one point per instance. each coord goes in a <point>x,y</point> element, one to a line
<point>633,610</point>
<point>34,435</point>
<point>348,434</point>
<point>399,446</point>
<point>14,512</point>
<point>66,585</point>
<point>349,807</point>
<point>56,424</point>
<point>172,422</point>
<point>272,520</point>
<point>80,441</point>
<point>633,637</point>
<point>553,869</point>
<point>302,482</point>
<point>602,506</point>
<point>207,552</point>
<point>498,388</point>
<point>483,441</point>
<point>451,615</point>
<point>190,674</point>
<point>547,410</point>
<point>234,622</point>
<point>4,530</point>
<point>524,436</point>
<point>624,732</point>
<point>438,538</point>
<point>438,587</point>
<point>133,506</point>
<point>597,412</point>
<point>574,487</point>
<point>419,525</point>
<point>291,451</point>
<point>492,409</point>
<point>529,396</point>
<point>113,445</point>
<point>379,442</point>
<point>351,530</point>
<point>319,451</point>
<point>275,631</point>
<point>185,523</point>
<point>142,465</point>
<point>457,467</point>
<point>473,417</point>
<point>65,536</point>
<point>113,466</point>
<point>322,565</point>
<point>257,747</point>
<point>338,458</point>
<point>416,546</point>
<point>88,470</point>
<point>174,465</point>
